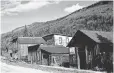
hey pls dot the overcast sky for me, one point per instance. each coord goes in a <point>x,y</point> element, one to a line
<point>17,13</point>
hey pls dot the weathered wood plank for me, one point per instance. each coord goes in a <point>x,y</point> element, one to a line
<point>78,59</point>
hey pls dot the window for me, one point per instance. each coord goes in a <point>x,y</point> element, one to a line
<point>72,50</point>
<point>60,40</point>
<point>67,40</point>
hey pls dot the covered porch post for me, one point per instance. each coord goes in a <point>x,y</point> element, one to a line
<point>77,57</point>
<point>87,56</point>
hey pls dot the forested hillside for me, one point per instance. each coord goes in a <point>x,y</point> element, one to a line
<point>98,16</point>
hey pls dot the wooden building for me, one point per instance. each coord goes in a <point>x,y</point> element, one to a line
<point>90,44</point>
<point>48,54</point>
<point>57,39</point>
<point>22,43</point>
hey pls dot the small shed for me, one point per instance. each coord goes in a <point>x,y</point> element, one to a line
<point>50,55</point>
<point>89,44</point>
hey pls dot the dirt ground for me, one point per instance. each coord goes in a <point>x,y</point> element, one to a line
<point>51,69</point>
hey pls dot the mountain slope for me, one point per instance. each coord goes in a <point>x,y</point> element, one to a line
<point>98,16</point>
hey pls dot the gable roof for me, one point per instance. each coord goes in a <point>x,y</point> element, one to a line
<point>57,49</point>
<point>31,40</point>
<point>97,36</point>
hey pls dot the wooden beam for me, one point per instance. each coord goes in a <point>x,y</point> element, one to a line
<point>69,55</point>
<point>31,57</point>
<point>36,56</point>
<point>40,57</point>
<point>92,54</point>
<point>50,59</point>
<point>97,49</point>
<point>77,57</point>
<point>86,52</point>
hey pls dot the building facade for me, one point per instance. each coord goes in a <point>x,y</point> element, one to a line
<point>48,55</point>
<point>56,39</point>
<point>92,49</point>
<point>22,44</point>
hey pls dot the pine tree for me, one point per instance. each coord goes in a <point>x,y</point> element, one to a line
<point>25,32</point>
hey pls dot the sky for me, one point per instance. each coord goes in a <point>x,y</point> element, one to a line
<point>17,13</point>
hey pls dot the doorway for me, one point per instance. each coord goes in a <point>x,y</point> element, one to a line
<point>45,60</point>
<point>82,57</point>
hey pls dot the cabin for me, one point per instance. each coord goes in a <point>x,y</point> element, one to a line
<point>48,54</point>
<point>22,43</point>
<point>57,39</point>
<point>89,45</point>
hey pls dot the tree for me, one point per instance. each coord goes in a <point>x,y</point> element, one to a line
<point>25,32</point>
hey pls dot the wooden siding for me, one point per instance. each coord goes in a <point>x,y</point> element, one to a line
<point>43,57</point>
<point>59,58</point>
<point>23,50</point>
<point>86,56</point>
<point>49,39</point>
<point>32,56</point>
<point>55,40</point>
<point>38,56</point>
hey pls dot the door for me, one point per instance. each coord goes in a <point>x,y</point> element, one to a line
<point>45,60</point>
<point>82,57</point>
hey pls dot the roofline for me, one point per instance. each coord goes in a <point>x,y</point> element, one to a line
<point>59,53</point>
<point>53,53</point>
<point>34,45</point>
<point>95,31</point>
<point>74,36</point>
<point>55,34</point>
<point>53,46</point>
<point>88,36</point>
<point>29,37</point>
<point>26,37</point>
<point>71,39</point>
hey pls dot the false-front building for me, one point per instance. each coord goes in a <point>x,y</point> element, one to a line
<point>57,39</point>
<point>22,43</point>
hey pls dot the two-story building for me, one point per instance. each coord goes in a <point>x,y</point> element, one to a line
<point>57,39</point>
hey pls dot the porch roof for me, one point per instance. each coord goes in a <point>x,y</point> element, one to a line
<point>57,49</point>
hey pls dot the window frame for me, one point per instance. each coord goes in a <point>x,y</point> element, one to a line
<point>67,40</point>
<point>60,40</point>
